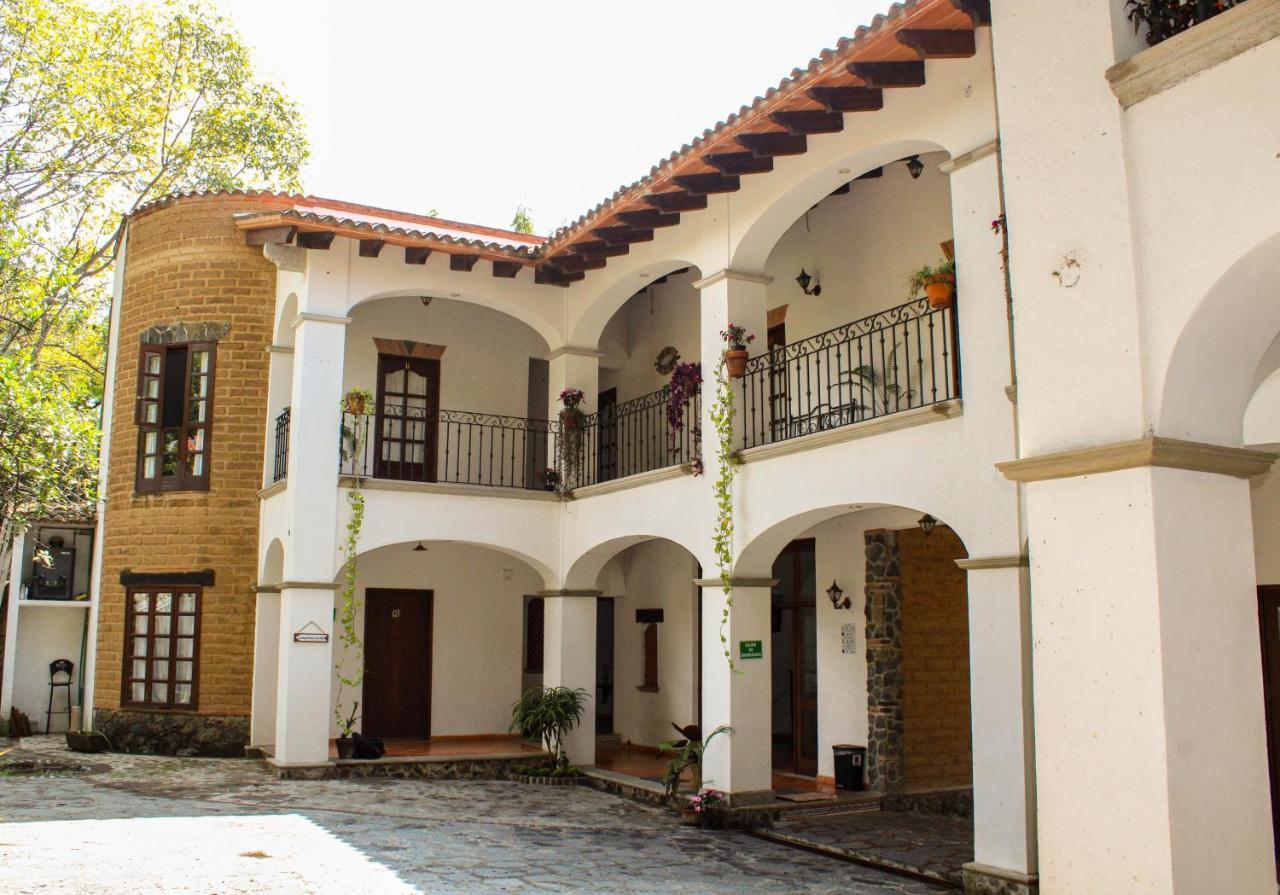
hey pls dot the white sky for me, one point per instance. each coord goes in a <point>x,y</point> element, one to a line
<point>472,108</point>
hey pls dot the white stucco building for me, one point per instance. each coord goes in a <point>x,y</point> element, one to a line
<point>1090,423</point>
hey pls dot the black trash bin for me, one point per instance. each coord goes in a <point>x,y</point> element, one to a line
<point>851,765</point>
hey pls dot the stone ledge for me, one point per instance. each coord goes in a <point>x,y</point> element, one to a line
<point>1167,453</point>
<point>903,419</point>
<point>983,879</point>
<point>1195,50</point>
<point>371,484</point>
<point>632,481</point>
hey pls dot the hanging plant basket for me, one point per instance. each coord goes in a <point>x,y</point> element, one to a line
<point>735,362</point>
<point>940,290</point>
<point>356,401</point>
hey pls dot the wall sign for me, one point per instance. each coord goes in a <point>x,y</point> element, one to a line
<point>750,649</point>
<point>849,639</point>
<point>310,633</point>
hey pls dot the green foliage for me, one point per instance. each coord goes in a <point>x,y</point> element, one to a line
<point>349,601</point>
<point>722,414</point>
<point>523,221</point>
<point>688,754</point>
<point>548,714</point>
<point>547,770</point>
<point>926,275</point>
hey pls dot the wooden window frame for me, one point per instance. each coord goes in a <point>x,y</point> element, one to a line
<point>400,470</point>
<point>649,658</point>
<point>534,647</point>
<point>182,481</point>
<point>127,678</point>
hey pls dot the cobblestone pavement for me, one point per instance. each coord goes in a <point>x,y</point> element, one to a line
<point>133,824</point>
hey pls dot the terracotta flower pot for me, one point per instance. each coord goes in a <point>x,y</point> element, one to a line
<point>689,817</point>
<point>346,747</point>
<point>940,290</point>
<point>735,363</point>
<point>355,404</point>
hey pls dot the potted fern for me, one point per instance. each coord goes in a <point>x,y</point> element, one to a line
<point>548,714</point>
<point>938,283</point>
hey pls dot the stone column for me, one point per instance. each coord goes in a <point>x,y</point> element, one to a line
<point>1004,804</point>
<point>885,771</point>
<point>740,696</point>
<point>569,660</point>
<point>266,667</point>
<point>305,683</point>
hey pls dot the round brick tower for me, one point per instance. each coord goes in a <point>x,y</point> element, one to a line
<point>195,320</point>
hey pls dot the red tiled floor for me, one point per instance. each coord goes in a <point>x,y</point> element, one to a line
<point>410,748</point>
<point>648,766</point>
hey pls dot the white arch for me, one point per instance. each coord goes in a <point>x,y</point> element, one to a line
<point>272,563</point>
<point>511,306</point>
<point>284,321</point>
<point>1212,373</point>
<point>584,572</point>
<point>586,330</point>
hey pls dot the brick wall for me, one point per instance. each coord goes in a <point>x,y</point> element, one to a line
<point>935,660</point>
<point>186,263</point>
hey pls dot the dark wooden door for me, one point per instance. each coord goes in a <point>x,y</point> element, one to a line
<point>397,663</point>
<point>408,403</point>
<point>795,658</point>
<point>607,443</point>
<point>1269,617</point>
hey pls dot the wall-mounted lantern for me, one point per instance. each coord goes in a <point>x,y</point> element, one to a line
<point>837,597</point>
<point>915,167</point>
<point>928,524</point>
<point>804,280</point>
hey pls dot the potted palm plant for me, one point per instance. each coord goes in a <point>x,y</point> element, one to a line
<point>736,340</point>
<point>548,714</point>
<point>345,742</point>
<point>938,283</point>
<point>688,753</point>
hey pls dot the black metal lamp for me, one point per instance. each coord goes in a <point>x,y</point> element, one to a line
<point>838,599</point>
<point>915,167</point>
<point>804,280</point>
<point>928,524</point>
<point>420,548</point>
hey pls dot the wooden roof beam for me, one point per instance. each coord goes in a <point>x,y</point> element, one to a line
<point>416,254</point>
<point>708,183</point>
<point>677,201</point>
<point>649,219</point>
<point>849,99</point>
<point>806,121</point>
<point>739,163</point>
<point>939,44</point>
<point>463,263</point>
<point>623,235</point>
<point>276,236</point>
<point>600,249</point>
<point>889,74</point>
<point>506,269</point>
<point>979,10</point>
<point>547,275</point>
<point>575,263</point>
<point>370,248</point>
<point>315,239</point>
<point>773,144</point>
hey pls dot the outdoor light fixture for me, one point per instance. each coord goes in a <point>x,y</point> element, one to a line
<point>804,280</point>
<point>838,599</point>
<point>915,166</point>
<point>426,301</point>
<point>420,548</point>
<point>928,524</point>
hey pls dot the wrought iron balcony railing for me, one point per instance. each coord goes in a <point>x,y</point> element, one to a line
<point>1166,18</point>
<point>418,444</point>
<point>898,359</point>
<point>280,465</point>
<point>630,438</point>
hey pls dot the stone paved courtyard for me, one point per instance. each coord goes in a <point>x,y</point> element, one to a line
<point>140,824</point>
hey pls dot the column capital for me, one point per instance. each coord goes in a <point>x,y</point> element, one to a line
<point>728,274</point>
<point>965,159</point>
<point>571,593</point>
<point>574,351</point>
<point>307,316</point>
<point>1009,561</point>
<point>715,583</point>
<point>1168,453</point>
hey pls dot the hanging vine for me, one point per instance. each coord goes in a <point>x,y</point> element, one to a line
<point>353,438</point>
<point>723,412</point>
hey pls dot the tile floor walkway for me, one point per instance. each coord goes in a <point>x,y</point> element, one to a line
<point>138,824</point>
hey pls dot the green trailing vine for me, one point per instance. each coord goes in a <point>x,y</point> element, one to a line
<point>348,602</point>
<point>723,412</point>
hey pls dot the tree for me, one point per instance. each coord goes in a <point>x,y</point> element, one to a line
<point>523,221</point>
<point>104,107</point>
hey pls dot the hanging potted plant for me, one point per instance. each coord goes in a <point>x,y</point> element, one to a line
<point>358,401</point>
<point>572,417</point>
<point>938,284</point>
<point>550,478</point>
<point>735,355</point>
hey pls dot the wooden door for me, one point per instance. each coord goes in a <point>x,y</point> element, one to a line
<point>607,437</point>
<point>397,663</point>
<point>408,403</point>
<point>1269,617</point>
<point>795,657</point>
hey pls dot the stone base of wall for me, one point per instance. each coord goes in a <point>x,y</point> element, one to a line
<point>979,879</point>
<point>402,769</point>
<point>947,802</point>
<point>155,733</point>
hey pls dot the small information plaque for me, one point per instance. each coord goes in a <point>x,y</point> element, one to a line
<point>849,639</point>
<point>310,633</point>
<point>750,649</point>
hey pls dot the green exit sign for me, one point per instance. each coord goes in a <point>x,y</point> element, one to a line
<point>750,649</point>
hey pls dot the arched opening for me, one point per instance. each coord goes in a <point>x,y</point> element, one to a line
<point>272,564</point>
<point>460,394</point>
<point>442,628</point>
<point>648,654</point>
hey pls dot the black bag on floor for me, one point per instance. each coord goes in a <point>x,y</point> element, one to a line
<point>367,747</point>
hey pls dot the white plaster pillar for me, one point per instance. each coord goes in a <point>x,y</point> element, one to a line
<point>569,660</point>
<point>266,667</point>
<point>279,396</point>
<point>1004,804</point>
<point>18,545</point>
<point>740,763</point>
<point>305,680</point>
<point>728,296</point>
<point>1150,739</point>
<point>574,367</point>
